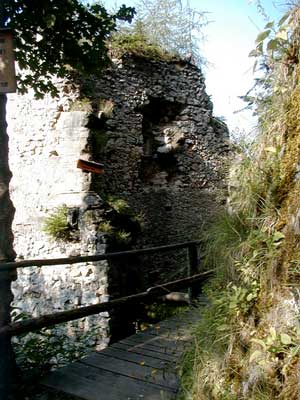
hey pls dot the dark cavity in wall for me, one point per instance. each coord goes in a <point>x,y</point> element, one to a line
<point>158,115</point>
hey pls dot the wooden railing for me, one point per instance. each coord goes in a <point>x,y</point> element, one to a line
<point>34,324</point>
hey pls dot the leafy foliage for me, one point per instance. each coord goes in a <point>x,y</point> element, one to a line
<point>55,347</point>
<point>53,37</point>
<point>165,27</point>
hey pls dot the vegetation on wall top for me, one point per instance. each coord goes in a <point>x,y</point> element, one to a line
<point>164,30</point>
<point>138,44</point>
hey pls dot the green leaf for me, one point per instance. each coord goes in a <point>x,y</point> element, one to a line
<point>270,341</point>
<point>262,36</point>
<point>273,45</point>
<point>284,18</point>
<point>285,339</point>
<point>270,25</point>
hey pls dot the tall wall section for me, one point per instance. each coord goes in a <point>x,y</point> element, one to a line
<point>165,153</point>
<point>151,124</point>
<point>45,143</point>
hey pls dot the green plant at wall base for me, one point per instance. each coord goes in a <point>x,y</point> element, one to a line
<point>56,224</point>
<point>55,347</point>
<point>153,313</point>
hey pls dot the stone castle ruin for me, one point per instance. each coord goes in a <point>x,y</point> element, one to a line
<point>151,124</point>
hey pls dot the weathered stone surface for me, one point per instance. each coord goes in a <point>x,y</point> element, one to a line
<point>151,124</point>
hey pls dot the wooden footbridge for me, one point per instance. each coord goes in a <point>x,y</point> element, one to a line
<point>140,367</point>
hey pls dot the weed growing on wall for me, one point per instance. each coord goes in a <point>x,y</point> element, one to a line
<point>62,224</point>
<point>122,225</point>
<point>56,224</point>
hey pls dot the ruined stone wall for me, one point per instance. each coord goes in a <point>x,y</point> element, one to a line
<point>165,153</point>
<point>45,143</point>
<point>151,124</point>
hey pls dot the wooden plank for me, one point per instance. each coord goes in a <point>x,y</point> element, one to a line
<point>170,350</point>
<point>142,366</point>
<point>90,166</point>
<point>146,352</point>
<point>140,359</point>
<point>162,377</point>
<point>163,339</point>
<point>89,384</point>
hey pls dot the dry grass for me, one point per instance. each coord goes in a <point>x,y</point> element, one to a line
<point>248,340</point>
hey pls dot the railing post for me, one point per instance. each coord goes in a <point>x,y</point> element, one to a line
<point>192,268</point>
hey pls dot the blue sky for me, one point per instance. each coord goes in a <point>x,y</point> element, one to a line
<point>230,37</point>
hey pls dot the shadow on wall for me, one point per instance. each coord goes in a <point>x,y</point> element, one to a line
<point>162,138</point>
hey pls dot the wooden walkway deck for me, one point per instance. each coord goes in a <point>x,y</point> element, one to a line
<point>140,367</point>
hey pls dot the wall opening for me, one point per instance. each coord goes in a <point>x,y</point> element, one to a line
<point>162,138</point>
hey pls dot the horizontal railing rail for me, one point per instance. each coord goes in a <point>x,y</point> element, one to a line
<point>45,321</point>
<point>100,257</point>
